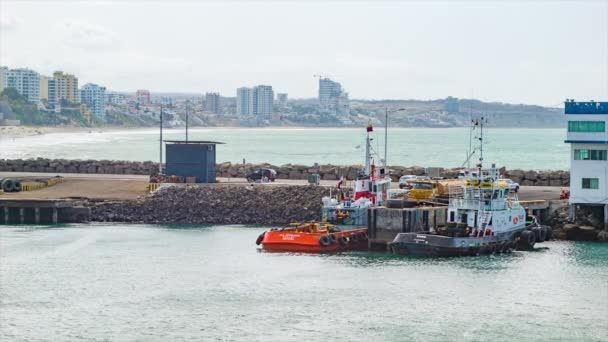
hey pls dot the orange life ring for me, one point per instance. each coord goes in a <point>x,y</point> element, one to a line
<point>516,220</point>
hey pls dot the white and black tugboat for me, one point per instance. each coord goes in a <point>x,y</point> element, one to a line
<point>484,217</point>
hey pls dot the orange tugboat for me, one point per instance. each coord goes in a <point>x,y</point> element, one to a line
<point>312,238</point>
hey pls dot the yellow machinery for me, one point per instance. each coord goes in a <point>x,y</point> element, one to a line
<point>431,190</point>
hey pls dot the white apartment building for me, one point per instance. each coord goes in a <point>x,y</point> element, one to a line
<point>258,101</point>
<point>263,98</point>
<point>94,97</point>
<point>212,103</point>
<point>332,97</point>
<point>244,101</point>
<point>588,138</point>
<point>25,81</point>
<point>3,71</point>
<point>116,99</point>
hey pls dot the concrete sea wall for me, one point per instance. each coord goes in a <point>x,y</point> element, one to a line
<point>288,171</point>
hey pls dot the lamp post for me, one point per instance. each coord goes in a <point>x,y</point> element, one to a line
<point>160,165</point>
<point>187,117</point>
<point>386,111</point>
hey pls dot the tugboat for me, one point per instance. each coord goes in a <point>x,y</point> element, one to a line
<point>312,238</point>
<point>371,188</point>
<point>484,217</point>
<point>346,209</point>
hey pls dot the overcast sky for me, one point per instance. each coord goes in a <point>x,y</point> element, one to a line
<point>521,52</point>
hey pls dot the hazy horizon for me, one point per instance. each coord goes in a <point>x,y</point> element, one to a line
<point>515,52</point>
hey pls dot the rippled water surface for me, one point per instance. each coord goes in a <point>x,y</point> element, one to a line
<point>444,147</point>
<point>162,283</point>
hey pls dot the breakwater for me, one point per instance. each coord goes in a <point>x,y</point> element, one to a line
<point>218,204</point>
<point>287,171</point>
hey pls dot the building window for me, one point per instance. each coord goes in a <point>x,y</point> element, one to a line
<point>586,126</point>
<point>586,154</point>
<point>591,183</point>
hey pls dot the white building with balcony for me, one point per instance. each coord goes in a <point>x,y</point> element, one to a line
<point>588,139</point>
<point>94,96</point>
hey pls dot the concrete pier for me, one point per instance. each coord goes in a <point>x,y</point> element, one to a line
<point>385,223</point>
<point>43,212</point>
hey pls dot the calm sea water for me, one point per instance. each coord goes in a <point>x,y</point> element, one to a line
<point>161,283</point>
<point>514,148</point>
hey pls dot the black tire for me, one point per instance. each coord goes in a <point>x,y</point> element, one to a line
<point>324,241</point>
<point>7,185</point>
<point>549,233</point>
<point>354,238</point>
<point>16,186</point>
<point>260,238</point>
<point>527,239</point>
<point>343,240</point>
<point>540,234</point>
<point>332,238</point>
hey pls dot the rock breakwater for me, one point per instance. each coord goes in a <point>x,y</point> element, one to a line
<point>588,225</point>
<point>288,171</point>
<point>218,204</point>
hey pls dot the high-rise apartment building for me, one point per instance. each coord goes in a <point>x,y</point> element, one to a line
<point>25,81</point>
<point>244,101</point>
<point>44,87</point>
<point>143,97</point>
<point>332,98</point>
<point>282,100</point>
<point>94,97</point>
<point>263,100</point>
<point>212,103</point>
<point>66,87</point>
<point>3,71</point>
<point>258,101</point>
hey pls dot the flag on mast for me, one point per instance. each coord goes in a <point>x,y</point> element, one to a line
<point>370,128</point>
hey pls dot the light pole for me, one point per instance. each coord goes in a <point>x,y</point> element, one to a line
<point>386,111</point>
<point>187,117</point>
<point>160,165</point>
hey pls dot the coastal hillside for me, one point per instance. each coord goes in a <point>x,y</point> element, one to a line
<point>452,112</point>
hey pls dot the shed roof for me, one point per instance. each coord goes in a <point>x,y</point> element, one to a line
<point>196,142</point>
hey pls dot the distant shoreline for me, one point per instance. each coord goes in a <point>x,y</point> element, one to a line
<point>12,132</point>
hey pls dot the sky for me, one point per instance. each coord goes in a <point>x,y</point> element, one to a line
<point>533,52</point>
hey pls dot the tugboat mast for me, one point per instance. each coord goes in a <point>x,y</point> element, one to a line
<point>368,156</point>
<point>368,152</point>
<point>480,123</point>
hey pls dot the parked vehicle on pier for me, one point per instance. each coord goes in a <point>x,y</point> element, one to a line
<point>405,181</point>
<point>431,191</point>
<point>511,184</point>
<point>262,176</point>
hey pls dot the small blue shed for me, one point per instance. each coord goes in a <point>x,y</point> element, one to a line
<point>191,159</point>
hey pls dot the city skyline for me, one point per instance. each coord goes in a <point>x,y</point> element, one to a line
<point>405,50</point>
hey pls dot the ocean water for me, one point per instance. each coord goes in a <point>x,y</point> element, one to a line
<point>538,149</point>
<point>194,283</point>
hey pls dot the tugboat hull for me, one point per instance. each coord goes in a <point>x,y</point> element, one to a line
<point>290,240</point>
<point>433,245</point>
